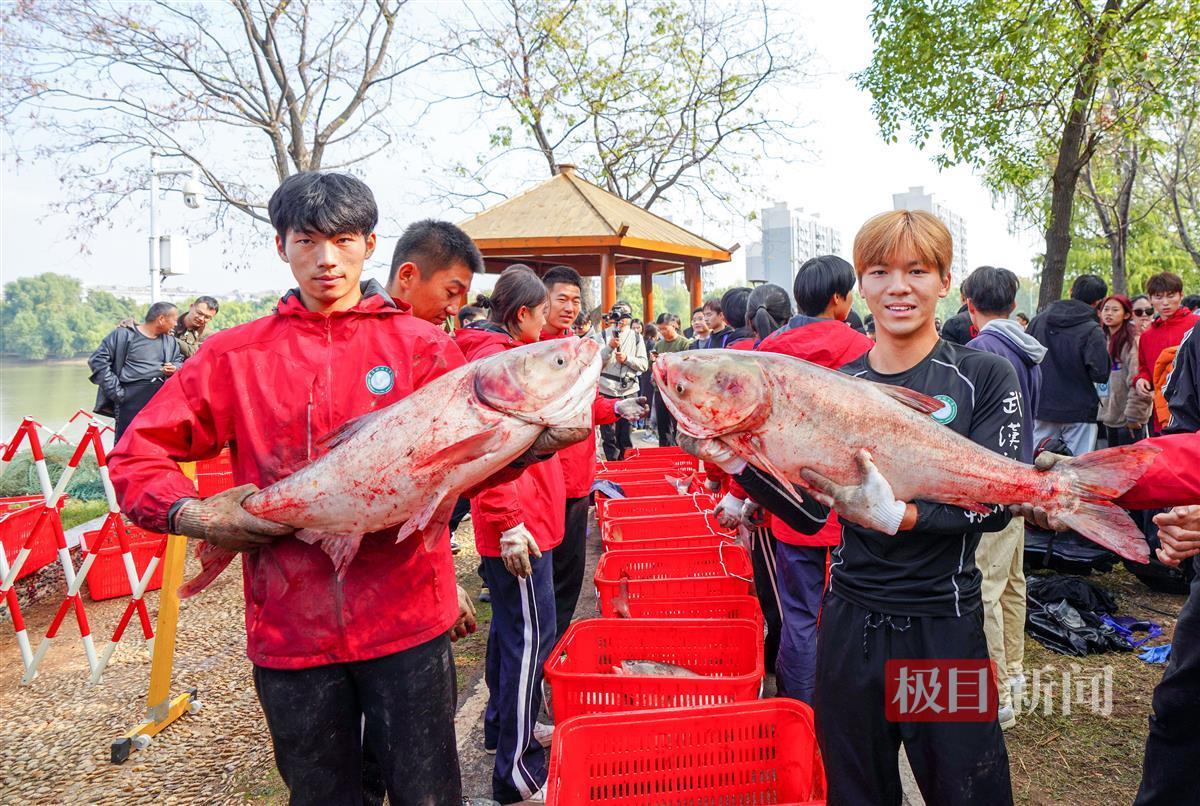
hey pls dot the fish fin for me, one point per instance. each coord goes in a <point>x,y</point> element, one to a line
<point>340,547</point>
<point>914,400</point>
<point>1109,473</point>
<point>213,561</point>
<point>348,429</point>
<point>758,458</point>
<point>1111,527</point>
<point>430,521</point>
<point>456,453</point>
<point>970,505</point>
<point>1098,477</point>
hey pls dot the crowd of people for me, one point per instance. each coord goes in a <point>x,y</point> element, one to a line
<point>356,675</point>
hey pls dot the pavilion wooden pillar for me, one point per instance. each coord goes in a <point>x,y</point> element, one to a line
<point>647,293</point>
<point>691,278</point>
<point>608,282</point>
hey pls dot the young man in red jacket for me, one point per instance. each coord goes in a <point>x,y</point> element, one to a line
<point>564,287</point>
<point>326,652</point>
<point>824,289</point>
<point>1167,330</point>
<point>432,267</point>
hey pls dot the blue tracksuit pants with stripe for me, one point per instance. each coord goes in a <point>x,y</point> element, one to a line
<point>520,638</point>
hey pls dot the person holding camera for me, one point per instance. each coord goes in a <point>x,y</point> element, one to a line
<point>624,355</point>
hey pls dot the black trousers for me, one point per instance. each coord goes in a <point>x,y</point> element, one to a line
<point>664,421</point>
<point>953,762</point>
<point>1120,436</point>
<point>137,395</point>
<point>1173,745</point>
<point>766,587</point>
<point>570,557</point>
<point>616,438</point>
<point>316,716</point>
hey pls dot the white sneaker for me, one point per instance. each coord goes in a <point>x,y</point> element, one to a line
<point>543,734</point>
<point>1007,717</point>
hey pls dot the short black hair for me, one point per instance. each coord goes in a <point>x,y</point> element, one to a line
<point>209,301</point>
<point>1191,302</point>
<point>1164,283</point>
<point>159,309</point>
<point>668,318</point>
<point>818,280</point>
<point>733,306</point>
<point>713,305</point>
<point>1089,289</point>
<point>328,203</point>
<point>562,274</point>
<point>992,290</point>
<point>701,310</point>
<point>470,313</point>
<point>434,246</point>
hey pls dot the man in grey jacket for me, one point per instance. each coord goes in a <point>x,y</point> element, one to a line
<point>624,354</point>
<point>132,363</point>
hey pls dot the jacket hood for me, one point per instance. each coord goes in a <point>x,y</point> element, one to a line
<point>1070,312</point>
<point>827,342</point>
<point>482,333</point>
<point>1032,350</point>
<point>374,301</point>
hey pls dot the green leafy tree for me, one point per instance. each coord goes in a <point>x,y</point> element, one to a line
<point>1024,92</point>
<point>48,316</point>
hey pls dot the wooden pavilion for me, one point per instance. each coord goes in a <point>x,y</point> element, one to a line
<point>567,220</point>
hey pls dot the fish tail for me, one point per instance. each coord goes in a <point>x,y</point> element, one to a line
<point>213,561</point>
<point>1098,477</point>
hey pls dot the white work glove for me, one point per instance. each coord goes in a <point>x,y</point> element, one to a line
<point>870,503</point>
<point>515,547</point>
<point>712,451</point>
<point>633,408</point>
<point>729,511</point>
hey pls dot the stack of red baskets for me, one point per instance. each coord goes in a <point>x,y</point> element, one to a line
<point>674,588</point>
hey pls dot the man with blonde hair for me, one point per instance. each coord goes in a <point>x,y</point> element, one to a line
<point>907,590</point>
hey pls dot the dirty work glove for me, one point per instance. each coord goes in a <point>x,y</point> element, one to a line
<point>753,515</point>
<point>1044,462</point>
<point>870,503</point>
<point>633,408</point>
<point>515,547</point>
<point>466,616</point>
<point>220,520</point>
<point>550,442</point>
<point>714,451</point>
<point>729,511</point>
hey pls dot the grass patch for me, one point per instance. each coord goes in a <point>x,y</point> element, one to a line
<point>75,512</point>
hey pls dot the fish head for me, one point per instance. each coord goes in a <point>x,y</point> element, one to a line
<point>713,392</point>
<point>550,383</point>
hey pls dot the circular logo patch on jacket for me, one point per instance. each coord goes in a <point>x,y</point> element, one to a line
<point>380,380</point>
<point>947,412</point>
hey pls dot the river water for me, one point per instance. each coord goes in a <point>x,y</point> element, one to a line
<point>48,391</point>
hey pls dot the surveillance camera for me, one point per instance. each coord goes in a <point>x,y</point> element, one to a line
<point>193,194</point>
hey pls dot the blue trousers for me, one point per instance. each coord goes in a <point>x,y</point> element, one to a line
<point>801,581</point>
<point>520,638</point>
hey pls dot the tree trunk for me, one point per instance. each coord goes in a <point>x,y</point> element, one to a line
<point>1073,155</point>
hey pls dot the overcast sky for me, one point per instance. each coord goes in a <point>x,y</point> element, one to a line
<point>850,175</point>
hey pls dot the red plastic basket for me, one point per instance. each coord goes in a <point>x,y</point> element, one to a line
<point>654,505</point>
<point>678,463</point>
<point>616,530</point>
<point>709,607</point>
<point>727,654</point>
<point>741,753</point>
<point>107,578</point>
<point>655,453</point>
<point>18,516</point>
<point>214,475</point>
<point>722,570</point>
<point>654,488</point>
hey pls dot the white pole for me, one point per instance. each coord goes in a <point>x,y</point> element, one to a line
<point>155,278</point>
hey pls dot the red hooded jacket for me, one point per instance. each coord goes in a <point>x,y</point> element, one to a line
<point>536,498</point>
<point>270,389</point>
<point>1161,334</point>
<point>831,344</point>
<point>579,460</point>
